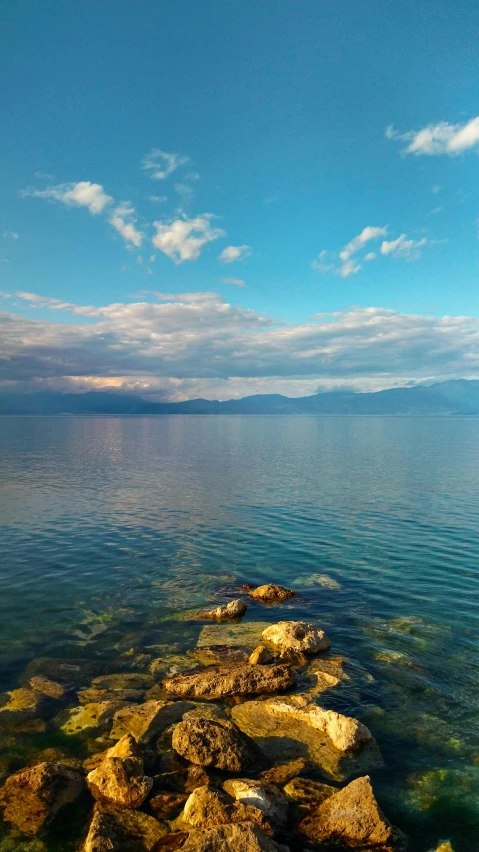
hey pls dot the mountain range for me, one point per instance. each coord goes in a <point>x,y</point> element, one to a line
<point>457,396</point>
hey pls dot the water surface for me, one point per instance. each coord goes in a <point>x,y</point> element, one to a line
<point>112,527</point>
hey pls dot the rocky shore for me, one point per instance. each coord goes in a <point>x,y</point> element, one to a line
<point>226,747</point>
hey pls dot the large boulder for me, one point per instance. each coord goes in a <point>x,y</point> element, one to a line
<point>207,808</point>
<point>344,732</point>
<point>221,681</point>
<point>242,837</point>
<point>115,829</point>
<point>299,636</point>
<point>233,609</point>
<point>120,777</point>
<point>33,796</point>
<point>351,817</point>
<point>271,593</point>
<point>144,721</point>
<point>217,743</point>
<point>267,798</point>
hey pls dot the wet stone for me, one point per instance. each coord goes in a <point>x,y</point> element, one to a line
<point>261,656</point>
<point>271,593</point>
<point>70,672</point>
<point>49,687</point>
<point>89,717</point>
<point>220,654</point>
<point>95,696</point>
<point>120,778</point>
<point>284,772</point>
<point>221,681</point>
<point>207,807</point>
<point>224,612</point>
<point>308,793</point>
<point>115,829</point>
<point>23,703</point>
<point>215,743</point>
<point>33,796</point>
<point>296,636</point>
<point>351,816</point>
<point>144,721</point>
<point>243,837</point>
<point>248,635</point>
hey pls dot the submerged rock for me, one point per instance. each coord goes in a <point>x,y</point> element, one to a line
<point>207,808</point>
<point>217,655</point>
<point>261,656</point>
<point>283,737</point>
<point>233,609</point>
<point>70,672</point>
<point>248,635</point>
<point>267,798</point>
<point>49,687</point>
<point>271,593</point>
<point>344,732</point>
<point>88,717</point>
<point>144,721</point>
<point>22,703</point>
<point>216,743</point>
<point>351,817</point>
<point>296,636</point>
<point>33,796</point>
<point>221,681</point>
<point>120,777</point>
<point>115,829</point>
<point>242,837</point>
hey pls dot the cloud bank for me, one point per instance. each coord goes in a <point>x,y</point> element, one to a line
<point>198,344</point>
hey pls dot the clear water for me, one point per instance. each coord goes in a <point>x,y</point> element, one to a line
<point>112,527</point>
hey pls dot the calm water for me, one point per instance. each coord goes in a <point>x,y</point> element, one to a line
<point>112,527</point>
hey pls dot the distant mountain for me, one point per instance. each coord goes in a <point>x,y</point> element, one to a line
<point>458,396</point>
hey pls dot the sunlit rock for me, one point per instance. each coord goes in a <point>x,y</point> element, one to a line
<point>144,721</point>
<point>216,743</point>
<point>267,798</point>
<point>115,829</point>
<point>296,636</point>
<point>220,681</point>
<point>271,593</point>
<point>32,797</point>
<point>261,656</point>
<point>120,777</point>
<point>233,609</point>
<point>207,807</point>
<point>88,717</point>
<point>242,837</point>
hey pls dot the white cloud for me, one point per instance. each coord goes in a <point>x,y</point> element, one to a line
<point>230,254</point>
<point>368,233</point>
<point>161,164</point>
<point>10,235</point>
<point>403,247</point>
<point>322,263</point>
<point>157,199</point>
<point>440,138</point>
<point>371,255</point>
<point>184,238</point>
<point>198,340</point>
<point>236,282</point>
<point>123,220</point>
<point>81,194</point>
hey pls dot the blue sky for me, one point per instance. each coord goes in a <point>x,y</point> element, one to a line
<point>296,159</point>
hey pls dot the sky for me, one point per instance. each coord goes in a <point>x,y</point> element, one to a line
<point>224,197</point>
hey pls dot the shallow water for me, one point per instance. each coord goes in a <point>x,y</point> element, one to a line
<point>112,527</point>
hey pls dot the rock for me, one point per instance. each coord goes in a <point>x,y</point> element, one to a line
<point>351,817</point>
<point>261,656</point>
<point>23,703</point>
<point>207,808</point>
<point>205,711</point>
<point>83,719</point>
<point>123,680</point>
<point>120,778</point>
<point>167,805</point>
<point>216,743</point>
<point>115,829</point>
<point>33,796</point>
<point>267,798</point>
<point>49,687</point>
<point>446,846</point>
<point>233,609</point>
<point>217,655</point>
<point>271,593</point>
<point>296,636</point>
<point>146,720</point>
<point>285,733</point>
<point>248,635</point>
<point>309,793</point>
<point>344,732</point>
<point>168,666</point>
<point>284,772</point>
<point>69,672</point>
<point>242,837</point>
<point>221,681</point>
<point>98,696</point>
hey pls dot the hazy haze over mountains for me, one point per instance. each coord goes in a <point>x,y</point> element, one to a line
<point>459,396</point>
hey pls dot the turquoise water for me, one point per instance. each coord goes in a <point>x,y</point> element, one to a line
<point>112,527</point>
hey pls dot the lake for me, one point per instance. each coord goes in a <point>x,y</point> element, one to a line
<point>112,527</point>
